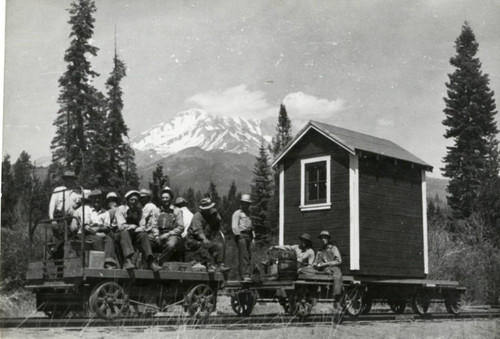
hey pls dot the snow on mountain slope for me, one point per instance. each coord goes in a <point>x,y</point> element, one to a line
<point>197,128</point>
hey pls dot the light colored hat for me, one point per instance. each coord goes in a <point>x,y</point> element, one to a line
<point>180,201</point>
<point>86,194</point>
<point>166,189</point>
<point>146,193</point>
<point>131,193</point>
<point>325,234</point>
<point>206,204</point>
<point>246,198</point>
<point>69,174</point>
<point>112,195</point>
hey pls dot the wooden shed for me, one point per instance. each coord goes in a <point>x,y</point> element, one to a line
<point>368,192</point>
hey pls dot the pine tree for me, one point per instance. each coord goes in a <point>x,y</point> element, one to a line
<point>261,194</point>
<point>23,169</point>
<point>160,180</point>
<point>191,199</point>
<point>80,102</point>
<point>9,193</point>
<point>283,132</point>
<point>470,110</point>
<point>213,194</point>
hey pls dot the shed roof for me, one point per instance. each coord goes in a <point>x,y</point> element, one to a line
<point>353,141</point>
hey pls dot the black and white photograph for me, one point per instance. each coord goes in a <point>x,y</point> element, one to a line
<point>250,169</point>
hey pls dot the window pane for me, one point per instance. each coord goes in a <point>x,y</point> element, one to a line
<point>322,191</point>
<point>315,185</point>
<point>322,172</point>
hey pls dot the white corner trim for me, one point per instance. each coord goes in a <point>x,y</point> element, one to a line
<point>316,207</point>
<point>281,236</point>
<point>424,222</point>
<point>354,212</point>
<point>303,163</point>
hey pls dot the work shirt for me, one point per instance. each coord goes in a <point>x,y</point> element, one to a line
<point>170,221</point>
<point>81,217</point>
<point>330,255</point>
<point>202,228</point>
<point>150,213</point>
<point>126,217</point>
<point>100,218</point>
<point>187,217</point>
<point>304,257</point>
<point>62,196</point>
<point>241,222</point>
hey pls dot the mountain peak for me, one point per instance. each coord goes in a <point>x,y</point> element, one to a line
<point>198,128</point>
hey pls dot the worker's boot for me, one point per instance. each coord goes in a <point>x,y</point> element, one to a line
<point>128,264</point>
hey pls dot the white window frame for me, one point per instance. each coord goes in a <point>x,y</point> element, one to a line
<point>321,206</point>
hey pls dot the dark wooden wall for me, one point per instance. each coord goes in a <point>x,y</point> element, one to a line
<point>335,219</point>
<point>390,213</point>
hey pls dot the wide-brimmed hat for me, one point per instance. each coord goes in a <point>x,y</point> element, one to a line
<point>86,194</point>
<point>131,193</point>
<point>69,174</point>
<point>246,198</point>
<point>146,193</point>
<point>306,237</point>
<point>325,234</point>
<point>112,195</point>
<point>180,201</point>
<point>95,193</point>
<point>206,204</point>
<point>166,189</point>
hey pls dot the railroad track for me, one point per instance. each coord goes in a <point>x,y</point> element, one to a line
<point>269,320</point>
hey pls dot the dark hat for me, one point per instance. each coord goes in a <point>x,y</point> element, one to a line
<point>206,204</point>
<point>95,193</point>
<point>131,193</point>
<point>180,201</point>
<point>325,234</point>
<point>306,237</point>
<point>69,174</point>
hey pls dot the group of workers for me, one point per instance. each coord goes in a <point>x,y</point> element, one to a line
<point>172,231</point>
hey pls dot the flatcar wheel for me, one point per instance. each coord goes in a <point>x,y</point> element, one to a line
<point>367,304</point>
<point>201,301</point>
<point>421,302</point>
<point>353,301</point>
<point>243,303</point>
<point>108,300</point>
<point>397,306</point>
<point>452,302</point>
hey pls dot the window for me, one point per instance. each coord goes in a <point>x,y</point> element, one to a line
<point>315,183</point>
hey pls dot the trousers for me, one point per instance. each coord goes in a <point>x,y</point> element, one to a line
<point>244,255</point>
<point>104,244</point>
<point>130,241</point>
<point>210,254</point>
<point>336,274</point>
<point>168,248</point>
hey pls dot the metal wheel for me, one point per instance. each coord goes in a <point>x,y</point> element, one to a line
<point>243,302</point>
<point>452,302</point>
<point>353,301</point>
<point>200,301</point>
<point>397,306</point>
<point>367,304</point>
<point>108,300</point>
<point>421,302</point>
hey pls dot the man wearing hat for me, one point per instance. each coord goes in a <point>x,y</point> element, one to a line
<point>244,235</point>
<point>168,227</point>
<point>94,226</point>
<point>328,260</point>
<point>304,251</point>
<point>149,211</point>
<point>65,199</point>
<point>187,215</point>
<point>111,204</point>
<point>204,242</point>
<point>130,232</point>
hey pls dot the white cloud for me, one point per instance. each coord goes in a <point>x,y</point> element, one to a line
<point>301,104</point>
<point>239,101</point>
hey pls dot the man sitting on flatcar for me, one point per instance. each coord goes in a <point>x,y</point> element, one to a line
<point>130,232</point>
<point>304,251</point>
<point>168,227</point>
<point>328,260</point>
<point>204,241</point>
<point>93,222</point>
<point>149,211</point>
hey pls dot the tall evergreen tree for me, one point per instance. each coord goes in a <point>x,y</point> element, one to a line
<point>80,102</point>
<point>9,193</point>
<point>160,180</point>
<point>283,132</point>
<point>213,194</point>
<point>261,193</point>
<point>23,169</point>
<point>191,200</point>
<point>470,110</point>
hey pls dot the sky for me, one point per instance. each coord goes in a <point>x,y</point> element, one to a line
<point>377,67</point>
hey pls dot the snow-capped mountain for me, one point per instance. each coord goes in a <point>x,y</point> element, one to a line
<point>197,128</point>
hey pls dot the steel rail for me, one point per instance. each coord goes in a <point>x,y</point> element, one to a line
<point>232,321</point>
